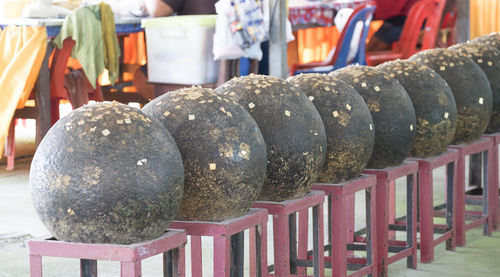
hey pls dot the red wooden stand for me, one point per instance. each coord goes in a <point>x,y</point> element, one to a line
<point>171,244</point>
<point>426,207</point>
<point>288,260</point>
<point>225,233</point>
<point>496,141</point>
<point>484,147</point>
<point>339,196</point>
<point>403,249</point>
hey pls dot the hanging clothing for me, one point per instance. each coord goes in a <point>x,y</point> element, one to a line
<point>22,49</point>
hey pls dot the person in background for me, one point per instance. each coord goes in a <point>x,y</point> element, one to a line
<point>393,13</point>
<point>161,8</point>
<point>158,8</point>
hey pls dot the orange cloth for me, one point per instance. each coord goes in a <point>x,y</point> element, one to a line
<point>484,17</point>
<point>22,49</point>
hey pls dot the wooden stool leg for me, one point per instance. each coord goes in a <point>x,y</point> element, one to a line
<point>426,211</point>
<point>281,245</point>
<point>238,254</point>
<point>196,259</point>
<point>252,250</point>
<point>382,207</point>
<point>261,251</point>
<point>88,268</point>
<point>488,193</point>
<point>411,216</point>
<point>11,144</point>
<point>35,266</point>
<point>371,230</point>
<point>222,256</point>
<point>338,236</point>
<point>451,199</point>
<point>460,210</point>
<point>391,213</point>
<point>303,239</point>
<point>318,243</point>
<point>131,269</point>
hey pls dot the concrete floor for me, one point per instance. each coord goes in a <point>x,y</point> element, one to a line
<point>19,222</point>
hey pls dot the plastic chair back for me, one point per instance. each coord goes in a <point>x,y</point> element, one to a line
<point>363,14</point>
<point>426,13</point>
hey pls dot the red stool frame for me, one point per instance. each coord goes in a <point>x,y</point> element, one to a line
<point>496,141</point>
<point>290,259</point>
<point>426,207</point>
<point>222,232</point>
<point>171,244</point>
<point>403,249</point>
<point>483,146</point>
<point>339,198</point>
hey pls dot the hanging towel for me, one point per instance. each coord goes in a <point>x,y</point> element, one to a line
<point>84,26</point>
<point>22,49</point>
<point>111,47</point>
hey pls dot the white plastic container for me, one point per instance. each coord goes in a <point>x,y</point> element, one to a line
<point>179,49</point>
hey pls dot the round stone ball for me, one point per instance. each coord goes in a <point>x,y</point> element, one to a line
<point>292,129</point>
<point>491,39</point>
<point>488,58</point>
<point>470,88</point>
<point>348,125</point>
<point>222,148</point>
<point>434,105</point>
<point>107,173</point>
<point>391,110</point>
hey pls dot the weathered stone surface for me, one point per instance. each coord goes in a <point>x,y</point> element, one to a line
<point>492,39</point>
<point>433,102</point>
<point>470,88</point>
<point>107,173</point>
<point>348,124</point>
<point>222,148</point>
<point>292,128</point>
<point>391,110</point>
<point>488,58</point>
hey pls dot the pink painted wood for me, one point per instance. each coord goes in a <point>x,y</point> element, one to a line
<point>496,141</point>
<point>290,253</point>
<point>340,197</point>
<point>255,221</point>
<point>426,205</point>
<point>130,255</point>
<point>404,249</point>
<point>485,146</point>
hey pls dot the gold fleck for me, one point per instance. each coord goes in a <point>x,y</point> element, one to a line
<point>142,161</point>
<point>257,91</point>
<point>371,126</point>
<point>480,60</point>
<point>452,64</point>
<point>287,113</point>
<point>93,129</point>
<point>311,98</point>
<point>119,121</point>
<point>191,117</point>
<point>212,166</point>
<point>177,107</point>
<point>481,100</point>
<point>166,113</point>
<point>70,211</point>
<point>407,74</point>
<point>81,122</point>
<point>105,132</point>
<point>222,109</point>
<point>377,89</point>
<point>442,68</point>
<point>327,88</point>
<point>229,114</point>
<point>411,127</point>
<point>490,63</point>
<point>363,85</point>
<point>244,151</point>
<point>127,120</point>
<point>446,114</point>
<point>251,105</point>
<point>348,107</point>
<point>70,149</point>
<point>335,113</point>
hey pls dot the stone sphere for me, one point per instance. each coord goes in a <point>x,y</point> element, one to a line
<point>292,129</point>
<point>491,39</point>
<point>348,125</point>
<point>434,105</point>
<point>223,151</point>
<point>488,58</point>
<point>470,88</point>
<point>391,110</point>
<point>107,173</point>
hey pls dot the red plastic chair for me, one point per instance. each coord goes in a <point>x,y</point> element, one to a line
<point>414,38</point>
<point>448,32</point>
<point>362,13</point>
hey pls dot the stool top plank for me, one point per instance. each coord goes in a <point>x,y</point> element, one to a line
<point>49,246</point>
<point>406,168</point>
<point>437,161</point>
<point>347,187</point>
<point>287,207</point>
<point>477,146</point>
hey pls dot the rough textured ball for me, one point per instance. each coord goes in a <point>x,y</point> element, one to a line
<point>470,88</point>
<point>488,58</point>
<point>107,173</point>
<point>292,128</point>
<point>492,39</point>
<point>348,124</point>
<point>223,151</point>
<point>391,110</point>
<point>434,105</point>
